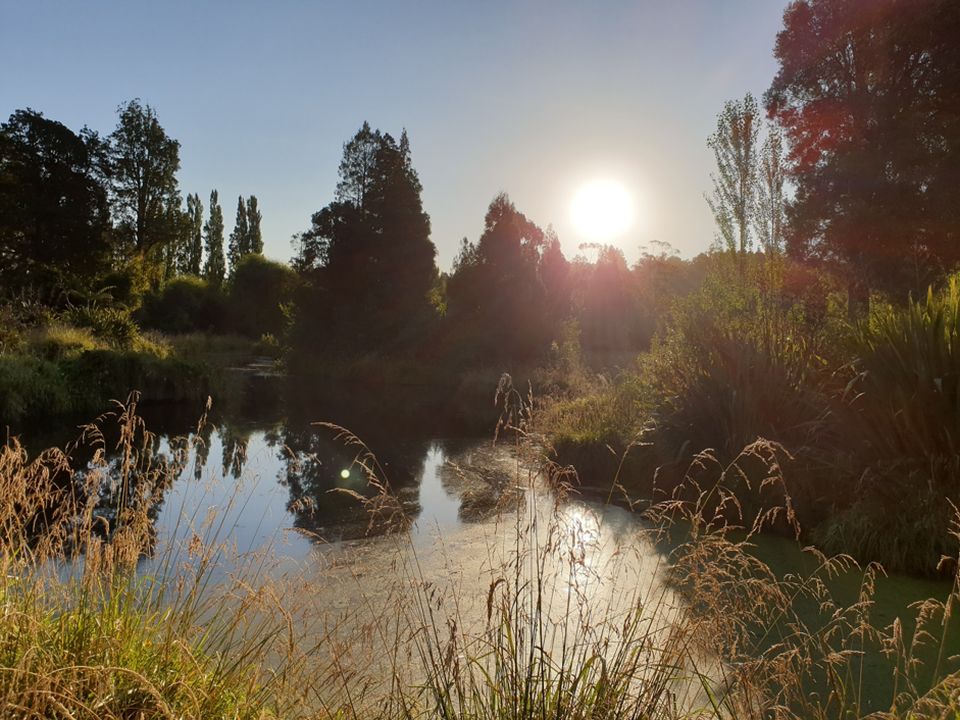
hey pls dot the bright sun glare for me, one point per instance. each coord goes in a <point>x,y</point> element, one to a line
<point>602,210</point>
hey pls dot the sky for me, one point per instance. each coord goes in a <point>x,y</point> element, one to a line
<point>533,98</point>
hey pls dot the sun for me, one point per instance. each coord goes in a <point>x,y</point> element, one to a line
<point>602,210</point>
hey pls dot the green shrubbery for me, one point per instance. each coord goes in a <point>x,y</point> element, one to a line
<point>869,412</point>
<point>900,419</point>
<point>75,361</point>
<point>259,297</point>
<point>185,304</point>
<point>113,325</point>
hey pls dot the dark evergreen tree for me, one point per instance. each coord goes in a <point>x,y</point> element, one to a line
<point>54,214</point>
<point>368,254</point>
<point>254,234</point>
<point>496,289</point>
<point>146,197</point>
<point>215,267</point>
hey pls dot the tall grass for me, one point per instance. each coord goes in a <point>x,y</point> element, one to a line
<point>901,427</point>
<point>83,634</point>
<point>567,613</point>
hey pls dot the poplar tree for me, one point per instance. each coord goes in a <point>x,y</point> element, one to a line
<point>239,237</point>
<point>254,234</point>
<point>734,145</point>
<point>215,268</point>
<point>194,256</point>
<point>769,211</point>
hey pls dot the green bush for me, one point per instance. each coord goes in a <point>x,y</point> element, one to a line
<point>98,376</point>
<point>185,304</point>
<point>12,334</point>
<point>900,424</point>
<point>31,386</point>
<point>259,295</point>
<point>735,364</point>
<point>111,324</point>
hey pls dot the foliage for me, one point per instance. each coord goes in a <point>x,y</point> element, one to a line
<point>260,295</point>
<point>237,244</point>
<point>769,212</point>
<point>367,258</point>
<point>185,304</point>
<point>111,324</point>
<point>216,263</point>
<point>867,94</point>
<point>54,216</point>
<point>31,387</point>
<point>191,261</point>
<point>58,341</point>
<point>145,192</point>
<point>901,424</point>
<point>734,145</point>
<point>495,288</point>
<point>246,237</point>
<point>105,643</point>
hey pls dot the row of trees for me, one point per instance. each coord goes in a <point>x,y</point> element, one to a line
<point>78,211</point>
<point>371,285</point>
<point>199,249</point>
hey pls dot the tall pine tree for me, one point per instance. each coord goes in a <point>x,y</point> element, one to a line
<point>368,254</point>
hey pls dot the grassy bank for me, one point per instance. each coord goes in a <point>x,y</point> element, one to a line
<point>74,363</point>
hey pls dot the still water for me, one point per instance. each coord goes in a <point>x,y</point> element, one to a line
<point>271,484</point>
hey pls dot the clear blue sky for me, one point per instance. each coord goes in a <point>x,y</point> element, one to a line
<point>532,97</point>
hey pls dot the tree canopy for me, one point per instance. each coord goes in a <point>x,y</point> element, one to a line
<point>869,96</point>
<point>55,230</point>
<point>368,253</point>
<point>144,166</point>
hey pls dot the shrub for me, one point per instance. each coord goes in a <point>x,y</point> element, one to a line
<point>736,363</point>
<point>12,334</point>
<point>260,292</point>
<point>31,386</point>
<point>111,324</point>
<point>185,304</point>
<point>900,423</point>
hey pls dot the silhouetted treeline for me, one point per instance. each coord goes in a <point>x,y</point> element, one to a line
<point>861,121</point>
<point>371,289</point>
<point>85,218</point>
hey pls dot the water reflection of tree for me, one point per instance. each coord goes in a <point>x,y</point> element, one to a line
<point>121,470</point>
<point>234,440</point>
<point>316,464</point>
